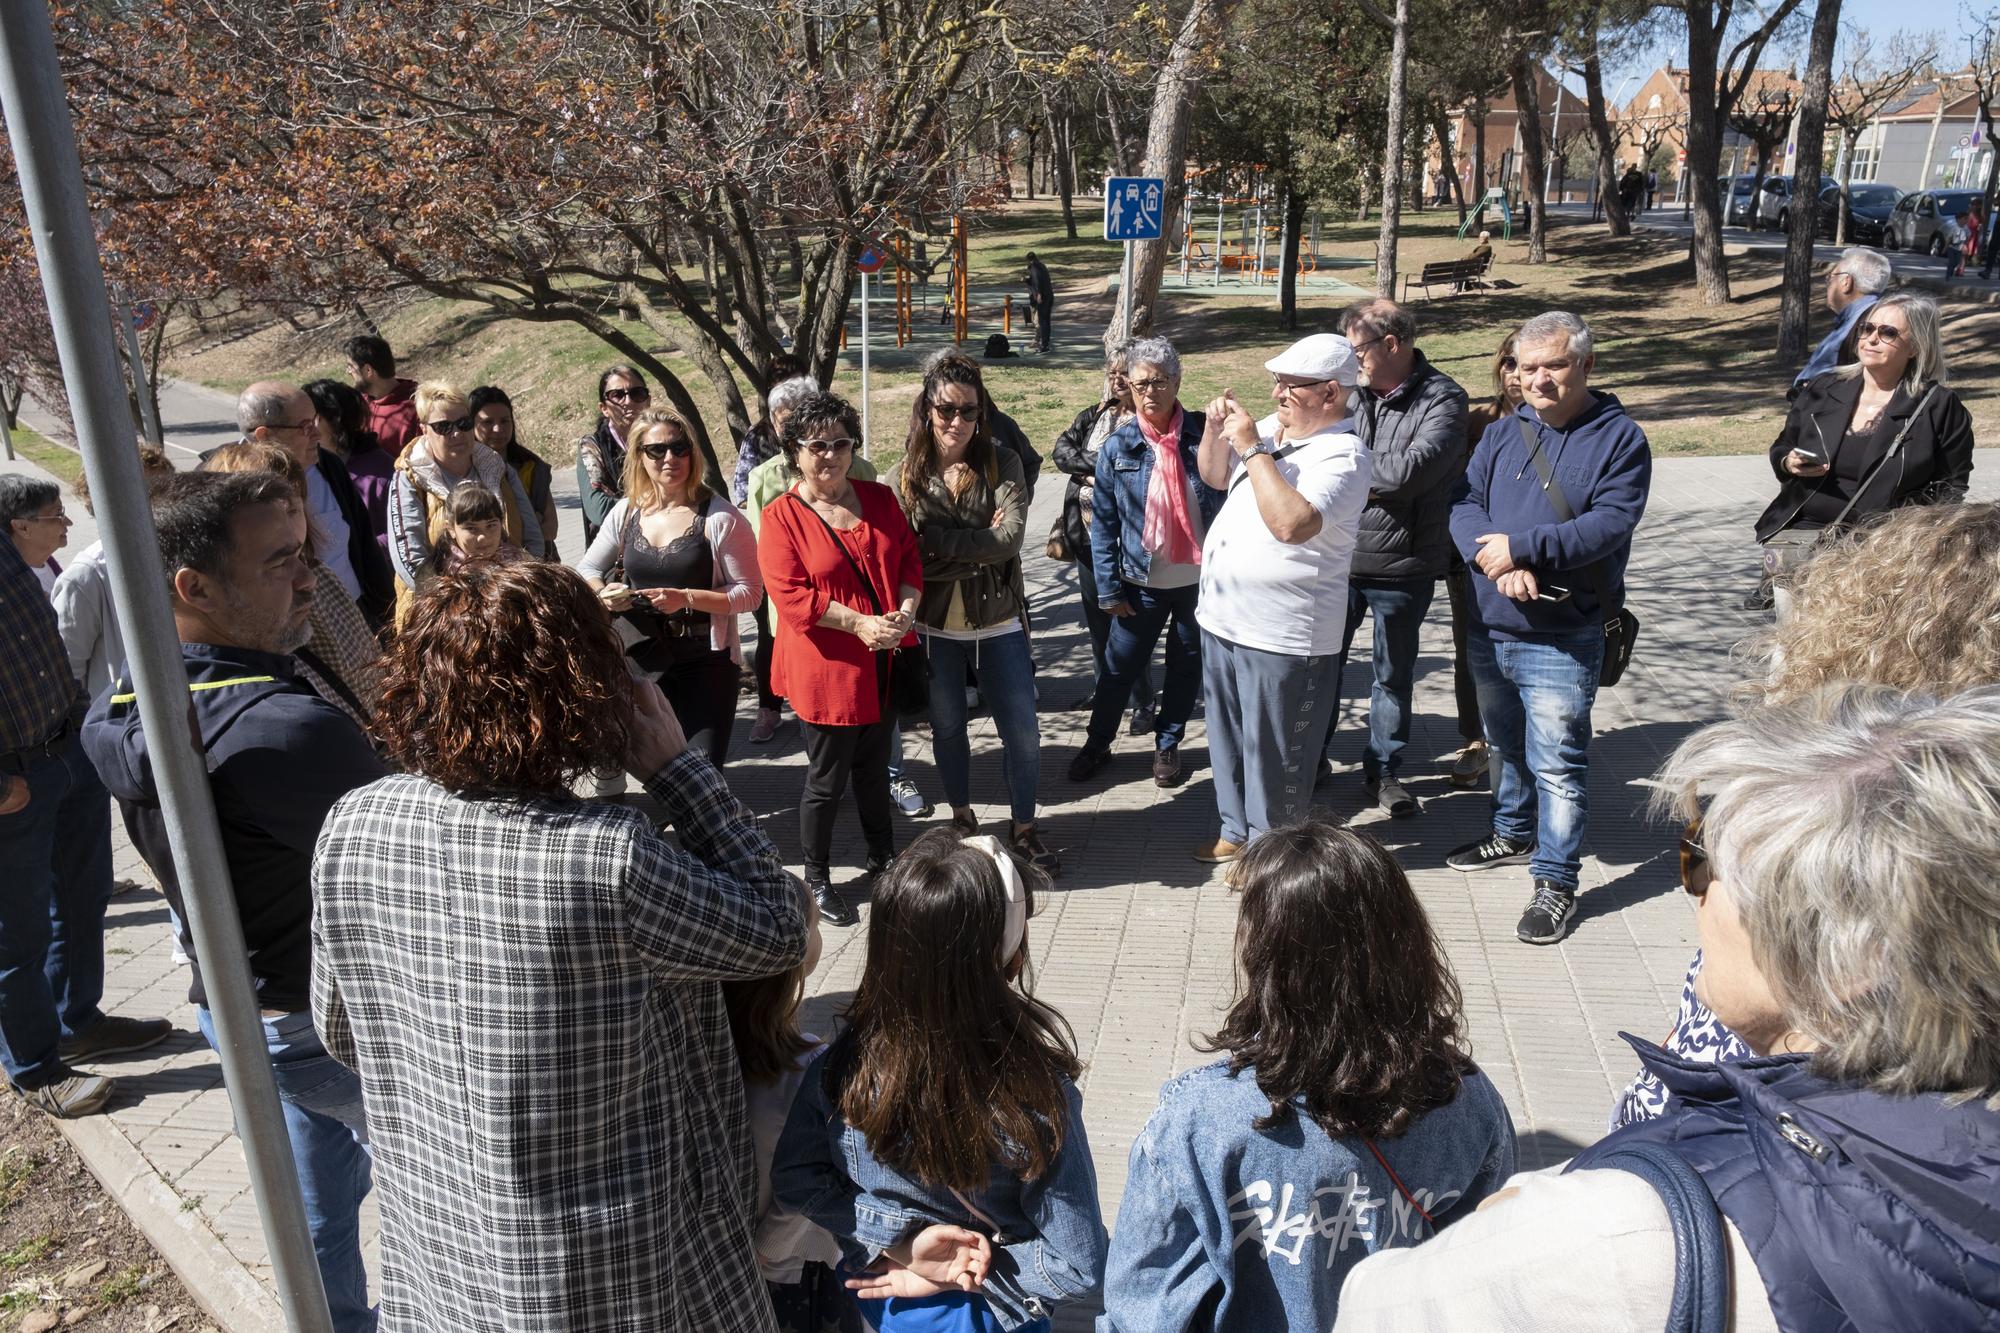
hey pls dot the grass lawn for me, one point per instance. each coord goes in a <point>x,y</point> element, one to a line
<point>66,464</point>
<point>1700,379</point>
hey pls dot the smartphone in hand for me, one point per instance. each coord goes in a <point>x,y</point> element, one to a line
<point>1551,593</point>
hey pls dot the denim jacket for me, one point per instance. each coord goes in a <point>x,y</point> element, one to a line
<point>1051,1242</point>
<point>1118,551</point>
<point>1225,1226</point>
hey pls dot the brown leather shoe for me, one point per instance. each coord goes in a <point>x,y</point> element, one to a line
<point>1220,852</point>
<point>1167,766</point>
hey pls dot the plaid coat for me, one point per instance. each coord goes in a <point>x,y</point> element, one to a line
<point>529,991</point>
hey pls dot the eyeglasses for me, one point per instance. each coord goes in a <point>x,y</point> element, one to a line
<point>1889,333</point>
<point>60,516</point>
<point>1291,386</point>
<point>458,427</point>
<point>826,448</point>
<point>1695,875</point>
<point>1508,365</point>
<point>1152,386</point>
<point>1362,346</point>
<point>310,423</point>
<point>956,411</point>
<point>639,395</point>
<point>670,448</point>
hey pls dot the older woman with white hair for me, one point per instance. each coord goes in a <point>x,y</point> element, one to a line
<point>1867,438</point>
<point>1149,512</point>
<point>1842,876</point>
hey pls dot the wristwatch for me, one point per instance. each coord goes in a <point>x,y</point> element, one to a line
<point>1264,447</point>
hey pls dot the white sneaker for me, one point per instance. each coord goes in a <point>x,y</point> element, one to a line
<point>908,799</point>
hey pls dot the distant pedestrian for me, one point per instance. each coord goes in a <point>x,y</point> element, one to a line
<point>392,409</point>
<point>528,985</point>
<point>1630,187</point>
<point>1041,299</point>
<point>1652,188</point>
<point>1273,562</point>
<point>1546,586</point>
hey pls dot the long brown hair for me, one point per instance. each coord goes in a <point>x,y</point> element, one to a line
<point>947,1065</point>
<point>920,450</point>
<point>1344,1000</point>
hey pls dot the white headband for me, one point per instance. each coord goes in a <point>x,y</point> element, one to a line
<point>1017,895</point>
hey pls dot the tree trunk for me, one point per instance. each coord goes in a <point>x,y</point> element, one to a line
<point>1795,305</point>
<point>1031,136</point>
<point>1288,258</point>
<point>1059,132</point>
<point>1615,221</point>
<point>1120,148</point>
<point>1441,128</point>
<point>1846,169</point>
<point>1704,155</point>
<point>1477,115</point>
<point>1166,154</point>
<point>1528,108</point>
<point>1392,156</point>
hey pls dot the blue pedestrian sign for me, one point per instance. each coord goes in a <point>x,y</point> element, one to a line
<point>1135,208</point>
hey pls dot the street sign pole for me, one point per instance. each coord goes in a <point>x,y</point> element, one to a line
<point>864,365</point>
<point>141,385</point>
<point>1133,211</point>
<point>1125,299</point>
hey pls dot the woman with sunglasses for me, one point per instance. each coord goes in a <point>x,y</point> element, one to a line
<point>968,502</point>
<point>600,456</point>
<point>844,575</point>
<point>677,564</point>
<point>446,453</point>
<point>1867,438</point>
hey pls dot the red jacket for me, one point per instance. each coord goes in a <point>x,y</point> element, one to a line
<point>829,676</point>
<point>394,419</point>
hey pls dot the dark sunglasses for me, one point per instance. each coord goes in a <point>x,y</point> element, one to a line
<point>628,395</point>
<point>1508,363</point>
<point>1694,862</point>
<point>954,412</point>
<point>451,427</point>
<point>671,448</point>
<point>1889,332</point>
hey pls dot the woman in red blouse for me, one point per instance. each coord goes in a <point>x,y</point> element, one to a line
<point>834,632</point>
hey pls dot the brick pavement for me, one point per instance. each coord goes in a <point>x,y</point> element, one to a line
<point>1134,944</point>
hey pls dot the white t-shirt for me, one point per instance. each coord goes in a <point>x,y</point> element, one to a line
<point>1278,596</point>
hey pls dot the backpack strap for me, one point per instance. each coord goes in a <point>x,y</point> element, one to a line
<point>1701,1252</point>
<point>1599,577</point>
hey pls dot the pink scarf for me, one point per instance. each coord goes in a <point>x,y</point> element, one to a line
<point>1169,529</point>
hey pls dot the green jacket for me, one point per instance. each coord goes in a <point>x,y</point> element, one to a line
<point>774,476</point>
<point>963,548</point>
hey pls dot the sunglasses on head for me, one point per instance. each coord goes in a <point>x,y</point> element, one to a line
<point>666,449</point>
<point>956,412</point>
<point>627,395</point>
<point>1695,874</point>
<point>1889,333</point>
<point>451,427</point>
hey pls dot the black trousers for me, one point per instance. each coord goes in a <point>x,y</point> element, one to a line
<point>1458,586</point>
<point>1098,622</point>
<point>1042,311</point>
<point>702,688</point>
<point>836,757</point>
<point>760,662</point>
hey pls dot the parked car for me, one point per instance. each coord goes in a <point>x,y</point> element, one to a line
<point>1734,192</point>
<point>1869,205</point>
<point>1917,223</point>
<point>1774,198</point>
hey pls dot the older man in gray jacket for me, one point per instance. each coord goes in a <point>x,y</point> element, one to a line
<point>1412,417</point>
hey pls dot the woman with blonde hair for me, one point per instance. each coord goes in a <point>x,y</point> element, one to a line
<point>342,661</point>
<point>445,454</point>
<point>677,564</point>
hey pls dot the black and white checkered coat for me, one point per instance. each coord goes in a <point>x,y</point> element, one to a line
<point>528,989</point>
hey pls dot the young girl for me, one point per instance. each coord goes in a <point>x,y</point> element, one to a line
<point>796,1257</point>
<point>475,529</point>
<point>951,1098</point>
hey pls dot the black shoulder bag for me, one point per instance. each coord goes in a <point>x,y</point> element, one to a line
<point>906,683</point>
<point>1621,627</point>
<point>1788,549</point>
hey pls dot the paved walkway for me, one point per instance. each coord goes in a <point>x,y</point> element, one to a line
<point>1134,947</point>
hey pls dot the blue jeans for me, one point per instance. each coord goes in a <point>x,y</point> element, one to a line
<point>1535,699</point>
<point>1099,624</point>
<point>55,880</point>
<point>1130,648</point>
<point>1399,607</point>
<point>329,1136</point>
<point>1007,684</point>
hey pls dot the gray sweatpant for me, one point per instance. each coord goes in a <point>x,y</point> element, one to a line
<point>1268,715</point>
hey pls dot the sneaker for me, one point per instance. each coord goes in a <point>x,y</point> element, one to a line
<point>1027,844</point>
<point>1549,913</point>
<point>908,799</point>
<point>1143,719</point>
<point>121,887</point>
<point>1469,766</point>
<point>1167,767</point>
<point>113,1035</point>
<point>833,909</point>
<point>878,863</point>
<point>766,726</point>
<point>1088,762</point>
<point>1490,851</point>
<point>1393,797</point>
<point>1220,852</point>
<point>966,823</point>
<point>73,1094</point>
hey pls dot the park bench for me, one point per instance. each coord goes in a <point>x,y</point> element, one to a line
<point>1455,274</point>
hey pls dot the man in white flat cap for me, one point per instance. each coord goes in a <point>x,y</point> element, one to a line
<point>1274,584</point>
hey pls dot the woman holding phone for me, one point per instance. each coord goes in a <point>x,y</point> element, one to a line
<point>1867,438</point>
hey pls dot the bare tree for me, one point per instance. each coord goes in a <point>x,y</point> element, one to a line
<point>1795,303</point>
<point>1870,80</point>
<point>1763,115</point>
<point>1534,154</point>
<point>1983,39</point>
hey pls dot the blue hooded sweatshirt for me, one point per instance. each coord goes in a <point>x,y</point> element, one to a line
<point>1605,469</point>
<point>279,756</point>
